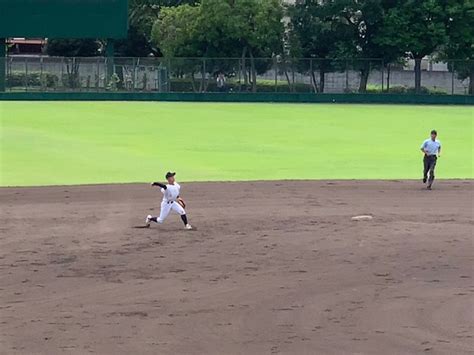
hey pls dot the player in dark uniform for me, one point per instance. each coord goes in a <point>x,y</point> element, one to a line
<point>431,148</point>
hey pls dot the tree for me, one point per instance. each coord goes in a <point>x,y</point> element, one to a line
<point>259,31</point>
<point>314,34</point>
<point>365,20</point>
<point>175,31</point>
<point>418,27</point>
<point>460,39</point>
<point>135,45</point>
<point>142,15</point>
<point>223,28</point>
<point>72,49</point>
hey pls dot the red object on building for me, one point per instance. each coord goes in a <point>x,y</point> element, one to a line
<point>25,45</point>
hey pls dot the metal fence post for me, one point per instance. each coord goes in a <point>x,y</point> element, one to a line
<point>275,69</point>
<point>135,78</point>
<point>42,82</point>
<point>203,79</point>
<point>240,76</point>
<point>8,61</point>
<point>368,75</point>
<point>382,70</point>
<point>169,74</point>
<point>292,77</point>
<point>26,74</point>
<point>62,72</point>
<point>452,76</point>
<point>97,77</point>
<point>109,52</point>
<point>72,79</point>
<point>132,74</point>
<point>347,75</point>
<point>3,62</point>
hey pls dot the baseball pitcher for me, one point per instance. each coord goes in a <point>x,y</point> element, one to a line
<point>171,201</point>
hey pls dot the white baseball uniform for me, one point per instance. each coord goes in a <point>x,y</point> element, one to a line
<point>170,195</point>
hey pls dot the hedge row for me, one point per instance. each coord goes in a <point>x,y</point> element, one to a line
<point>406,90</point>
<point>281,86</point>
<point>32,79</point>
<point>180,85</point>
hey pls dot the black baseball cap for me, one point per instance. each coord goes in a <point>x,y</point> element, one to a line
<point>434,132</point>
<point>169,174</point>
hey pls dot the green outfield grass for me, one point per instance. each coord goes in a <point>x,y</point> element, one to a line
<point>49,143</point>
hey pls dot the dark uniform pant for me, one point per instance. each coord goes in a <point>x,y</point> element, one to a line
<point>429,164</point>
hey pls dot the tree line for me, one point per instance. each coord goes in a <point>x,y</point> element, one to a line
<point>391,31</point>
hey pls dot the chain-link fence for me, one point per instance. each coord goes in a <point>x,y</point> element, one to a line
<point>42,73</point>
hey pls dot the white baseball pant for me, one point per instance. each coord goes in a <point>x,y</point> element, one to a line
<point>166,207</point>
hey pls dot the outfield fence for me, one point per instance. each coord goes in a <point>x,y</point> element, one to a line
<point>228,75</point>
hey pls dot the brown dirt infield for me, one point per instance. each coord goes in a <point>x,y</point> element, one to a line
<point>274,267</point>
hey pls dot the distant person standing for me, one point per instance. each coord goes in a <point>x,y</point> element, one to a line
<point>221,82</point>
<point>431,147</point>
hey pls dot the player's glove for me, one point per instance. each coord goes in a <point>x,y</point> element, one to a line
<point>181,202</point>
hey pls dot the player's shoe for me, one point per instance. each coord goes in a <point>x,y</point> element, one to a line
<point>429,187</point>
<point>188,227</point>
<point>148,220</point>
<point>424,180</point>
